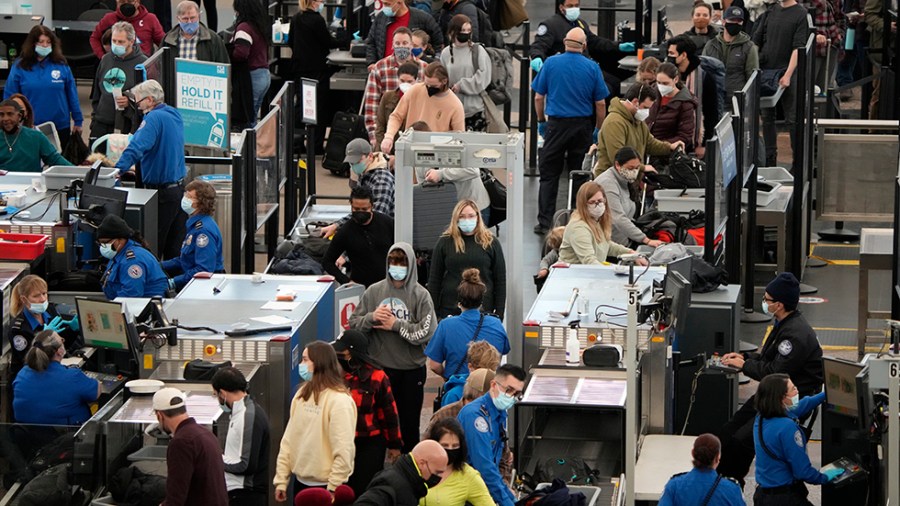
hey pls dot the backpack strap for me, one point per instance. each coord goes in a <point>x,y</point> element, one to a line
<point>474,338</point>
<point>711,490</point>
<point>762,442</point>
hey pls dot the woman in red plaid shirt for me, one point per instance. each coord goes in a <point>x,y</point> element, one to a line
<point>377,423</point>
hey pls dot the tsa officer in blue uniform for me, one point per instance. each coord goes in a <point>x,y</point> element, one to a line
<point>484,423</point>
<point>703,486</point>
<point>132,271</point>
<point>201,250</point>
<point>782,465</point>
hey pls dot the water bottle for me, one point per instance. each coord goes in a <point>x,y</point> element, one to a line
<point>850,39</point>
<point>217,134</point>
<point>573,348</point>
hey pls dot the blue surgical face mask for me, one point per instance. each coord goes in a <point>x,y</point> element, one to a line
<point>190,28</point>
<point>38,307</point>
<point>417,51</point>
<point>765,308</point>
<point>397,272</point>
<point>467,226</point>
<point>187,205</point>
<point>224,406</point>
<point>107,251</point>
<point>504,401</point>
<point>119,50</point>
<point>573,13</point>
<point>359,167</point>
<point>321,7</point>
<point>387,11</point>
<point>43,51</point>
<point>795,401</point>
<point>305,373</point>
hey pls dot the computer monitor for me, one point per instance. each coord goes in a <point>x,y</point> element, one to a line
<point>102,201</point>
<point>681,266</point>
<point>840,386</point>
<point>680,290</point>
<point>103,323</point>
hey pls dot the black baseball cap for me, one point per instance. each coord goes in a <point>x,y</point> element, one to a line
<point>356,343</point>
<point>734,12</point>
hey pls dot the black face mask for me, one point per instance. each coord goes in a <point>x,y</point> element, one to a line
<point>432,91</point>
<point>463,37</point>
<point>455,457</point>
<point>361,217</point>
<point>127,10</point>
<point>733,28</point>
<point>672,59</point>
<point>432,481</point>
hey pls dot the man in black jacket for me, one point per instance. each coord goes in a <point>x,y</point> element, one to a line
<point>792,348</point>
<point>395,14</point>
<point>409,479</point>
<point>365,239</point>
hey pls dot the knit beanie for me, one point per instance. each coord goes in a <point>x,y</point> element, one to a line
<point>114,227</point>
<point>785,289</point>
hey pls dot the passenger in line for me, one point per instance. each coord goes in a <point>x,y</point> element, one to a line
<point>461,483</point>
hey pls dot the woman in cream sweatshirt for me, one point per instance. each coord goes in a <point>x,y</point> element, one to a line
<point>317,446</point>
<point>587,236</point>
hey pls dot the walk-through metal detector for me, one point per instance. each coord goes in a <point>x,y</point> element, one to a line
<point>471,149</point>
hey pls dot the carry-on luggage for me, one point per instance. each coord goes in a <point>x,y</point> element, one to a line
<point>345,127</point>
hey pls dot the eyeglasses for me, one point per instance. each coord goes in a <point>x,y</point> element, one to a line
<point>510,391</point>
<point>769,300</point>
<point>595,203</point>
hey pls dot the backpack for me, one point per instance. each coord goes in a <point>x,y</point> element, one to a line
<point>713,99</point>
<point>706,277</point>
<point>501,75</point>
<point>571,471</point>
<point>683,171</point>
<point>497,193</point>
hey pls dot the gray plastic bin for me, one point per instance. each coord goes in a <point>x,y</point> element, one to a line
<point>60,176</point>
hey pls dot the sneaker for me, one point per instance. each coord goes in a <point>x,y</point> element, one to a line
<point>540,229</point>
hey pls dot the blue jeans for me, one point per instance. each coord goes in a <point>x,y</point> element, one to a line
<point>260,80</point>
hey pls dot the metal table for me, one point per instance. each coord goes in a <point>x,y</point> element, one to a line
<point>777,214</point>
<point>354,73</point>
<point>875,253</point>
<point>661,457</point>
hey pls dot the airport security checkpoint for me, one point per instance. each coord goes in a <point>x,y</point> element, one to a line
<point>290,259</point>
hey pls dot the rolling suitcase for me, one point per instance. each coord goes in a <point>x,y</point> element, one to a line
<point>345,127</point>
<point>433,205</point>
<point>576,179</point>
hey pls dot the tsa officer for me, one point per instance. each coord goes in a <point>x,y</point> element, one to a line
<point>132,270</point>
<point>703,482</point>
<point>484,423</point>
<point>201,250</point>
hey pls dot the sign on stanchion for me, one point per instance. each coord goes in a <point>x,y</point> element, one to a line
<point>346,298</point>
<point>202,96</point>
<point>309,115</point>
<point>308,93</point>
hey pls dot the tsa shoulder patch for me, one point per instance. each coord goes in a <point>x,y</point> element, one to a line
<point>798,438</point>
<point>481,425</point>
<point>20,343</point>
<point>542,29</point>
<point>202,240</point>
<point>135,272</point>
<point>785,348</point>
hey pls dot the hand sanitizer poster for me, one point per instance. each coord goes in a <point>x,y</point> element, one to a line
<point>202,91</point>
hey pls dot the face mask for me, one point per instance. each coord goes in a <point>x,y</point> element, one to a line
<point>321,7</point>
<point>573,13</point>
<point>107,251</point>
<point>359,167</point>
<point>224,406</point>
<point>765,307</point>
<point>190,28</point>
<point>348,365</point>
<point>432,481</point>
<point>187,205</point>
<point>631,175</point>
<point>664,89</point>
<point>672,59</point>
<point>467,226</point>
<point>397,272</point>
<point>795,400</point>
<point>42,51</point>
<point>119,50</point>
<point>304,372</point>
<point>38,307</point>
<point>402,53</point>
<point>463,37</point>
<point>504,401</point>
<point>642,114</point>
<point>387,11</point>
<point>597,211</point>
<point>432,91</point>
<point>733,28</point>
<point>417,51</point>
<point>127,10</point>
<point>404,87</point>
<point>361,217</point>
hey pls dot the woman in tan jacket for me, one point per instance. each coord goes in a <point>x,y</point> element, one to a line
<point>317,446</point>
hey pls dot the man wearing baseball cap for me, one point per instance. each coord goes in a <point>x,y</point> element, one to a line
<point>196,472</point>
<point>791,348</point>
<point>733,47</point>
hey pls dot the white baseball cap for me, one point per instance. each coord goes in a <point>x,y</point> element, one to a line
<point>168,398</point>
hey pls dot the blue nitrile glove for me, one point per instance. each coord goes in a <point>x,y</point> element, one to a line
<point>626,47</point>
<point>542,128</point>
<point>833,473</point>
<point>74,324</point>
<point>171,283</point>
<point>55,324</point>
<point>356,36</point>
<point>596,135</point>
<point>536,64</point>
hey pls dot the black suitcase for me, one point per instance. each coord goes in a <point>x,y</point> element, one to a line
<point>433,205</point>
<point>345,127</point>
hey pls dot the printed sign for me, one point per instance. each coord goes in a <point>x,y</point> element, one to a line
<point>202,92</point>
<point>308,92</point>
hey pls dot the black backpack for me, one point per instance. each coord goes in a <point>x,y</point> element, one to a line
<point>497,192</point>
<point>571,471</point>
<point>706,277</point>
<point>683,171</point>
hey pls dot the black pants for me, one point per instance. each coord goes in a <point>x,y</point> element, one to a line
<point>212,15</point>
<point>409,392</point>
<point>64,135</point>
<point>793,495</point>
<point>245,497</point>
<point>567,141</point>
<point>171,219</point>
<point>369,461</point>
<point>788,103</point>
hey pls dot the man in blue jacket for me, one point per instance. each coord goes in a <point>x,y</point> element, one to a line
<point>158,145</point>
<point>484,423</point>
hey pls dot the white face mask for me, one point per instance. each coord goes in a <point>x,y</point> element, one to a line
<point>642,114</point>
<point>404,87</point>
<point>597,211</point>
<point>665,90</point>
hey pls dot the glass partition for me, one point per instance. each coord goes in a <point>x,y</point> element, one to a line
<point>267,168</point>
<point>283,104</point>
<point>152,68</point>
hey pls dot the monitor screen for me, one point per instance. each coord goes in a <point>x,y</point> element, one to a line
<point>111,200</point>
<point>680,290</point>
<point>102,323</point>
<point>840,386</point>
<point>681,266</point>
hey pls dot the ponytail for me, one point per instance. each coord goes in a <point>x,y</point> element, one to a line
<point>44,346</point>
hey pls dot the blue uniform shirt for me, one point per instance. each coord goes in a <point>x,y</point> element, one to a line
<point>50,87</point>
<point>134,272</point>
<point>690,489</point>
<point>57,396</point>
<point>485,429</point>
<point>159,145</point>
<point>452,337</point>
<point>201,250</point>
<point>785,439</point>
<point>572,83</point>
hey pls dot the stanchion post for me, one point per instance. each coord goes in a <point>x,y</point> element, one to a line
<point>795,247</point>
<point>249,148</point>
<point>237,210</point>
<point>290,190</point>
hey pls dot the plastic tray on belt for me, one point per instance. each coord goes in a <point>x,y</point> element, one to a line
<point>680,201</point>
<point>153,452</point>
<point>60,176</point>
<point>22,246</point>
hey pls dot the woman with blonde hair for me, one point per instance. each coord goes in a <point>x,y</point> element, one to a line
<point>467,243</point>
<point>587,239</point>
<point>317,447</point>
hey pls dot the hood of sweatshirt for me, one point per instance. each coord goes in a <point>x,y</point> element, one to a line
<point>380,162</point>
<point>616,106</point>
<point>138,16</point>
<point>412,275</point>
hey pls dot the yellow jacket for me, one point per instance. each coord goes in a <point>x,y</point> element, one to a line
<point>317,445</point>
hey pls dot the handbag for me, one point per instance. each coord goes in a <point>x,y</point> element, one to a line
<point>492,115</point>
<point>512,14</point>
<point>440,393</point>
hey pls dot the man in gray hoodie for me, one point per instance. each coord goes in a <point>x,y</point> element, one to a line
<point>735,50</point>
<point>115,75</point>
<point>398,317</point>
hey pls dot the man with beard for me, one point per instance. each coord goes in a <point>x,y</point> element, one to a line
<point>27,149</point>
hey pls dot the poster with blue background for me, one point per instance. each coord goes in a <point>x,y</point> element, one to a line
<point>202,92</point>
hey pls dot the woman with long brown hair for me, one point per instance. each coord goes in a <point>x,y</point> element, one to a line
<point>467,243</point>
<point>317,446</point>
<point>587,239</point>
